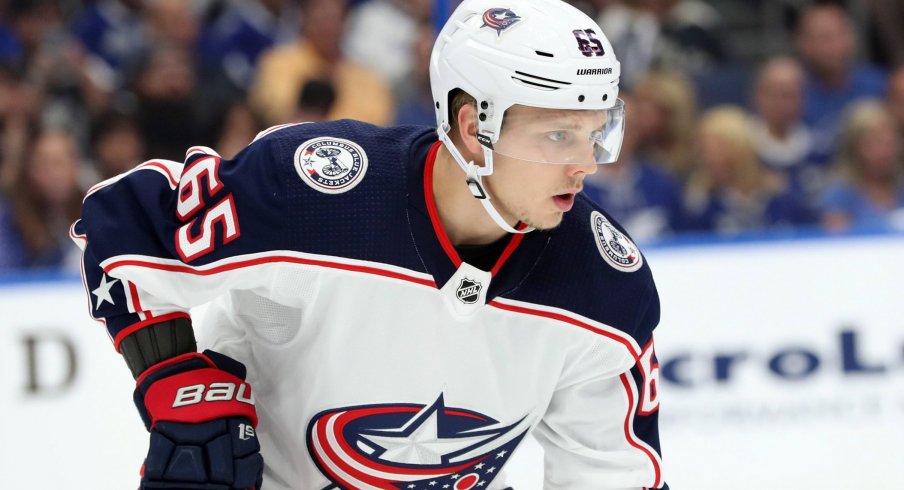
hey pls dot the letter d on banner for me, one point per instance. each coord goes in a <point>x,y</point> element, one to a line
<point>40,354</point>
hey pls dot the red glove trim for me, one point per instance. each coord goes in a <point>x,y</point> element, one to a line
<point>125,332</point>
<point>198,396</point>
<point>170,362</point>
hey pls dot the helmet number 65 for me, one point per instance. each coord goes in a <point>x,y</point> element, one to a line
<point>588,43</point>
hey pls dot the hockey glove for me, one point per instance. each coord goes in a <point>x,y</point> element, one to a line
<point>200,413</point>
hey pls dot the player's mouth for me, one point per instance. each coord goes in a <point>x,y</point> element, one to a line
<point>564,201</point>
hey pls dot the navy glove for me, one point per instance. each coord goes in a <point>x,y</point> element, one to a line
<point>200,413</point>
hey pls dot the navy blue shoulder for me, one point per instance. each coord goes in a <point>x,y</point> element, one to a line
<point>591,267</point>
<point>345,188</point>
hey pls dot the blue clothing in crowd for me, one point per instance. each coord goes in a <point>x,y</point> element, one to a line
<point>824,106</point>
<point>843,197</point>
<point>647,203</point>
<point>727,213</point>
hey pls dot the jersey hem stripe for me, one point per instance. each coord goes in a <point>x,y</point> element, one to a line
<point>179,267</point>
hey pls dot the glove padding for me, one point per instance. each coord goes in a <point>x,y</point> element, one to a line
<point>201,417</point>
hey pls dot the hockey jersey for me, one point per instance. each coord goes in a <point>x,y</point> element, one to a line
<point>378,358</point>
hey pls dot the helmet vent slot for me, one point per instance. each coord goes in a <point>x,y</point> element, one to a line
<point>534,84</point>
<point>543,53</point>
<point>535,80</point>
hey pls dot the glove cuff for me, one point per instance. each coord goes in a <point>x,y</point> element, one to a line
<point>194,388</point>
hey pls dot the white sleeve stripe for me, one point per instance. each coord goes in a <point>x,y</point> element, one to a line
<point>169,169</point>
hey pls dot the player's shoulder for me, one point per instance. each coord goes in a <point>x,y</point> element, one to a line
<point>294,137</point>
<point>594,269</point>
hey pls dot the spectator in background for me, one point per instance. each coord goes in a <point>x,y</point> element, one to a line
<point>44,201</point>
<point>360,94</point>
<point>666,110</point>
<point>173,23</point>
<point>315,101</point>
<point>827,44</point>
<point>117,144</point>
<point>642,196</point>
<point>56,67</point>
<point>888,19</point>
<point>169,112</point>
<point>895,97</point>
<point>781,139</point>
<point>663,34</point>
<point>20,105</point>
<point>869,192</point>
<point>113,34</point>
<point>240,126</point>
<point>730,191</point>
<point>382,35</point>
<point>415,97</point>
<point>234,33</point>
<point>633,29</point>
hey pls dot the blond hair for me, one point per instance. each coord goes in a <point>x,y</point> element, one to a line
<point>861,118</point>
<point>673,92</point>
<point>731,125</point>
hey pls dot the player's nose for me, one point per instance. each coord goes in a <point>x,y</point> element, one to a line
<point>574,169</point>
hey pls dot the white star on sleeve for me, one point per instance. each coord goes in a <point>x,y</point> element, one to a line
<point>103,292</point>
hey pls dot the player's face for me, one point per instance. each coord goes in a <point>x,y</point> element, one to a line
<point>537,194</point>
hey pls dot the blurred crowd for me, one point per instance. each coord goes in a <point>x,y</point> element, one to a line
<point>803,139</point>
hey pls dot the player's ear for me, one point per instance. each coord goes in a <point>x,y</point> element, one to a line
<point>467,130</point>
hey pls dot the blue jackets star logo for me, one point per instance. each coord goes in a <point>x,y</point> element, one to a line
<point>500,19</point>
<point>411,447</point>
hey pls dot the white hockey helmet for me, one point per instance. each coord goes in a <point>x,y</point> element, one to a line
<point>535,53</point>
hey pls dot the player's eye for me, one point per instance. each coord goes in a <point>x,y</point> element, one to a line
<point>558,136</point>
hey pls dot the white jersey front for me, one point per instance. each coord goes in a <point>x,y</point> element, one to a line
<point>378,358</point>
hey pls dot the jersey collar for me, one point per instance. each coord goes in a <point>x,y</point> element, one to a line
<point>436,250</point>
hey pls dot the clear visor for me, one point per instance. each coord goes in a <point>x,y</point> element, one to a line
<point>563,136</point>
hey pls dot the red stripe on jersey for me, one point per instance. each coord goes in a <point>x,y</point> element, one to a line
<point>133,292</point>
<point>334,458</point>
<point>509,250</point>
<point>345,418</point>
<point>570,320</point>
<point>270,260</point>
<point>438,225</point>
<point>431,207</point>
<point>629,418</point>
<point>144,323</point>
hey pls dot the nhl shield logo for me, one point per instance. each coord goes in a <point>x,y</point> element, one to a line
<point>468,291</point>
<point>618,250</point>
<point>330,165</point>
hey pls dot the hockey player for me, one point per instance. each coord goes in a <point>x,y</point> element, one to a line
<point>409,303</point>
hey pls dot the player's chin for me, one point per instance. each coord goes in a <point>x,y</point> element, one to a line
<point>547,221</point>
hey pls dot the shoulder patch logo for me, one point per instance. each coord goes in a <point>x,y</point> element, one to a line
<point>618,250</point>
<point>330,165</point>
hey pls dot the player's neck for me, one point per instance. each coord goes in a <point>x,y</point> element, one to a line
<point>462,216</point>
